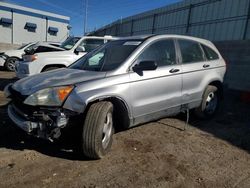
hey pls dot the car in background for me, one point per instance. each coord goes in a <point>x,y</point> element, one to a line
<point>74,48</point>
<point>122,84</point>
<point>57,44</point>
<point>40,47</point>
<point>9,58</point>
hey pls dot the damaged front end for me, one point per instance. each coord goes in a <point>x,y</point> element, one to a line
<point>41,121</point>
<point>3,58</point>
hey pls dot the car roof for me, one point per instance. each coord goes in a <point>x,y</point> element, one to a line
<point>155,36</point>
<point>138,37</point>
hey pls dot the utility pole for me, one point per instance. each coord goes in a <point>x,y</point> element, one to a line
<point>86,17</point>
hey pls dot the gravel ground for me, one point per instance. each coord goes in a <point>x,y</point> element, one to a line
<point>211,153</point>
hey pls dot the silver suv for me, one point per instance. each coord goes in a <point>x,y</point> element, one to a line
<point>119,85</point>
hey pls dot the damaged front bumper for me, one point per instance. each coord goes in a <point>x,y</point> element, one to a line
<point>3,59</point>
<point>42,123</point>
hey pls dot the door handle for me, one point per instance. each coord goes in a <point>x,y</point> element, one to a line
<point>206,66</point>
<point>174,70</point>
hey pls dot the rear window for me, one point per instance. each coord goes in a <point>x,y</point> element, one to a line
<point>191,51</point>
<point>210,53</point>
<point>91,44</point>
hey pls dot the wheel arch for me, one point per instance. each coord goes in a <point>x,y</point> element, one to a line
<point>122,113</point>
<point>11,57</point>
<point>14,57</point>
<point>53,65</point>
<point>219,85</point>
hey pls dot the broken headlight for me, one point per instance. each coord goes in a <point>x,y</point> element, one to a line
<point>49,96</point>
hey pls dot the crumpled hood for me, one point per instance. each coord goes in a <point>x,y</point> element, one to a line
<point>16,53</point>
<point>51,46</point>
<point>58,77</point>
<point>53,54</point>
<point>43,44</point>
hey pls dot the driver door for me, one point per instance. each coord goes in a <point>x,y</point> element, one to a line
<point>156,93</point>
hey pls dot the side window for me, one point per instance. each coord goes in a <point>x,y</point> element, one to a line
<point>45,49</point>
<point>96,59</point>
<point>162,52</point>
<point>191,51</point>
<point>95,62</point>
<point>210,54</point>
<point>91,44</point>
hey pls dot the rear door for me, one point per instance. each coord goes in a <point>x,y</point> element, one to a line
<point>156,93</point>
<point>195,67</point>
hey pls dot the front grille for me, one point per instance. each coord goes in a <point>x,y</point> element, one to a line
<point>18,99</point>
<point>26,109</point>
<point>18,112</point>
<point>17,96</point>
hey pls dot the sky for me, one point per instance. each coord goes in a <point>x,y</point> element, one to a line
<point>100,12</point>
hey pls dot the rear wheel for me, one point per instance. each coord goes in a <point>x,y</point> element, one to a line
<point>98,130</point>
<point>210,103</point>
<point>11,63</point>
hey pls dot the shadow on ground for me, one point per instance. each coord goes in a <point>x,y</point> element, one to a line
<point>231,124</point>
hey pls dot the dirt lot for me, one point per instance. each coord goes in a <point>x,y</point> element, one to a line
<point>209,154</point>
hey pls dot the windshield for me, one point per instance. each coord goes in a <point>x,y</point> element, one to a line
<point>23,46</point>
<point>31,47</point>
<point>108,57</point>
<point>69,43</point>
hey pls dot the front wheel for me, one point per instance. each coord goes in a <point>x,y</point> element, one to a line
<point>210,103</point>
<point>11,63</point>
<point>98,130</point>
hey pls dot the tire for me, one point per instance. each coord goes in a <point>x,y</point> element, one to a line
<point>49,69</point>
<point>210,103</point>
<point>10,63</point>
<point>98,130</point>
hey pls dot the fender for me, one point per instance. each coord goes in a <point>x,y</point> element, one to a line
<point>76,104</point>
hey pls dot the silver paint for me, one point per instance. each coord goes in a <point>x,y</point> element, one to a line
<point>147,97</point>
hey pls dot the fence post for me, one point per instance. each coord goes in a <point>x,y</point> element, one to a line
<point>12,27</point>
<point>46,36</point>
<point>153,25</point>
<point>132,25</point>
<point>116,29</point>
<point>247,20</point>
<point>189,17</point>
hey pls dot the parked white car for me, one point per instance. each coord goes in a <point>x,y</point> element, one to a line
<point>75,48</point>
<point>9,58</point>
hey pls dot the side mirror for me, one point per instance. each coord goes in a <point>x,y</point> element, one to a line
<point>145,66</point>
<point>79,49</point>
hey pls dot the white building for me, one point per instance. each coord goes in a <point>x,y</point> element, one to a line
<point>20,25</point>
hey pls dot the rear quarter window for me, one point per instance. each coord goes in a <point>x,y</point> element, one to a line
<point>210,53</point>
<point>191,51</point>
